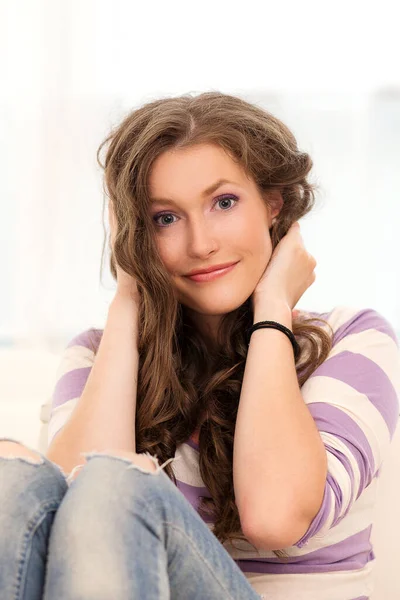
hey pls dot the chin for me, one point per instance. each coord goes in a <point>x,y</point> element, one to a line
<point>213,308</point>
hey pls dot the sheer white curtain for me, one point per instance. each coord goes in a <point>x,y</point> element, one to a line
<point>73,69</point>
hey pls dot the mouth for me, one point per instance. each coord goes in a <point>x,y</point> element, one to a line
<point>204,277</point>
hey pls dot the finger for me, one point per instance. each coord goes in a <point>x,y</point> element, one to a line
<point>294,229</point>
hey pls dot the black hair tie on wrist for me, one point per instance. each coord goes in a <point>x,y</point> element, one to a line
<point>275,325</point>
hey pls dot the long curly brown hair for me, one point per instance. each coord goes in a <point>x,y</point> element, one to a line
<point>182,383</point>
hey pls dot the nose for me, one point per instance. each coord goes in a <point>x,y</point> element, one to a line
<point>201,239</point>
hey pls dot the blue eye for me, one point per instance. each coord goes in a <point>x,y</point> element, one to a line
<point>219,199</point>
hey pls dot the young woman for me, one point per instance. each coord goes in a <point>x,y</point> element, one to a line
<point>192,455</point>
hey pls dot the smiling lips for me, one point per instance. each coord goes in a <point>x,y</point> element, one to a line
<point>199,277</point>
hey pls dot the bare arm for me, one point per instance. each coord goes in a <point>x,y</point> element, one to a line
<point>279,459</point>
<point>104,416</point>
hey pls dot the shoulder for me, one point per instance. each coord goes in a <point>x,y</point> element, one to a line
<point>362,368</point>
<point>89,339</point>
<point>75,364</point>
<point>80,351</point>
<point>346,320</point>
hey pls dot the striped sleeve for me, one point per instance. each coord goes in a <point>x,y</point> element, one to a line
<point>353,397</point>
<point>73,371</point>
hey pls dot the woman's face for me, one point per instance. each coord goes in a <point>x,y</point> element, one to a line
<point>197,230</point>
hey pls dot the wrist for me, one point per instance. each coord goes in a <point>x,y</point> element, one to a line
<point>273,309</point>
<point>126,310</point>
<point>125,297</point>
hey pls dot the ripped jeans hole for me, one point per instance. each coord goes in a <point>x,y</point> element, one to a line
<point>131,464</point>
<point>36,460</point>
<point>27,459</point>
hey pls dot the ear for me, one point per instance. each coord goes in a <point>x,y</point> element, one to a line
<point>276,202</point>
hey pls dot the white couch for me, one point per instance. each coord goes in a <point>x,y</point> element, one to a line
<point>27,379</point>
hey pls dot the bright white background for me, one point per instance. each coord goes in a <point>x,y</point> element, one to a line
<point>71,69</point>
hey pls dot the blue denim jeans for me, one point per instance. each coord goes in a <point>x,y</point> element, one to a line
<point>118,532</point>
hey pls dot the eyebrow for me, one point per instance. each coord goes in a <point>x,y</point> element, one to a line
<point>205,192</point>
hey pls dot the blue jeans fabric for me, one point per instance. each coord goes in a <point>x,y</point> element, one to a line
<point>118,532</point>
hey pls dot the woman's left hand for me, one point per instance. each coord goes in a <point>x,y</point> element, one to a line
<point>289,273</point>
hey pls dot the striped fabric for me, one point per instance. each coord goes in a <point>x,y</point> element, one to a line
<point>354,399</point>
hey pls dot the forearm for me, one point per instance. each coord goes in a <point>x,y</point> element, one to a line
<point>104,416</point>
<point>279,460</point>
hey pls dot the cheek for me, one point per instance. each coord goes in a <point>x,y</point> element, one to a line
<point>261,252</point>
<point>257,240</point>
<point>170,259</point>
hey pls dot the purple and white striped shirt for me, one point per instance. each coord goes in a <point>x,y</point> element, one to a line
<point>353,397</point>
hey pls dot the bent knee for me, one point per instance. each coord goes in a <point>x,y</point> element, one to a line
<point>10,449</point>
<point>136,459</point>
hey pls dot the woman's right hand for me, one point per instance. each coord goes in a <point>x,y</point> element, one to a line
<point>126,284</point>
